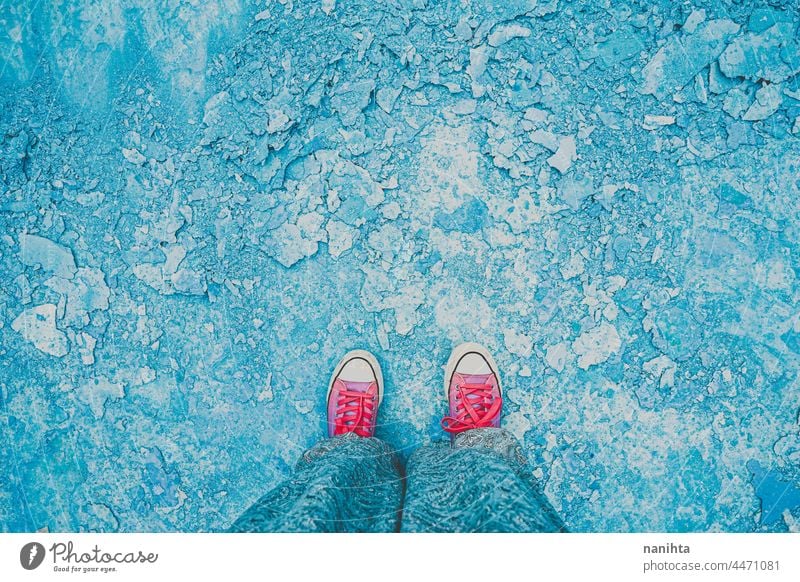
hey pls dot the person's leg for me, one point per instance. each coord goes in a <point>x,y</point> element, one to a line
<point>349,482</point>
<point>343,484</point>
<point>479,482</point>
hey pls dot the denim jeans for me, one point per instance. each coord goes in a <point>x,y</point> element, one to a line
<point>477,483</point>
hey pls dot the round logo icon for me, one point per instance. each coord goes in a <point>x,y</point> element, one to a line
<point>31,555</point>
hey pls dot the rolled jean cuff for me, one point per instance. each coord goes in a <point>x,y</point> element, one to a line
<point>497,440</point>
<point>360,446</point>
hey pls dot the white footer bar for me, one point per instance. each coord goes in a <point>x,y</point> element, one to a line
<point>329,558</point>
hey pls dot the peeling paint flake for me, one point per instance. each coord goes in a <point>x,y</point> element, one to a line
<point>38,326</point>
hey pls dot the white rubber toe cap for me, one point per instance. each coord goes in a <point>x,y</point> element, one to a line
<point>357,370</point>
<point>358,366</point>
<point>470,359</point>
<point>473,363</point>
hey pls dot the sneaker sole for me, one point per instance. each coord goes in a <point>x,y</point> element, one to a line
<point>455,357</point>
<point>370,359</point>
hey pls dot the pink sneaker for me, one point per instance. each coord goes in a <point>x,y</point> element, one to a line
<point>354,394</point>
<point>472,386</point>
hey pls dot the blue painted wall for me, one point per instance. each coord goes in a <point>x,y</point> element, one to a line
<point>204,204</point>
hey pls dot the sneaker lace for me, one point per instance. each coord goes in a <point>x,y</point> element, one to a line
<point>355,412</point>
<point>475,408</point>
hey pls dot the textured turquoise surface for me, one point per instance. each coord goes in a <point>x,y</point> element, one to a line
<point>204,204</point>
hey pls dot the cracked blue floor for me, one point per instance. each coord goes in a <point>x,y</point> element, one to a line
<point>203,205</point>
